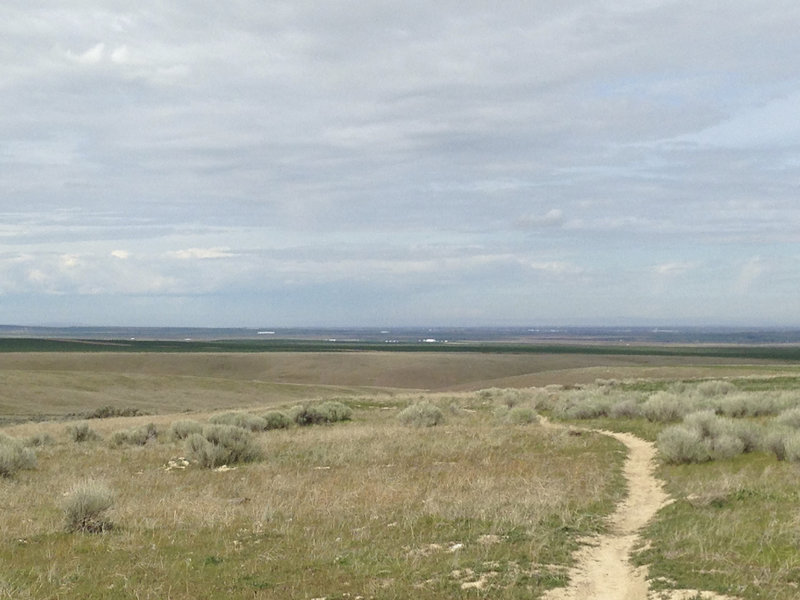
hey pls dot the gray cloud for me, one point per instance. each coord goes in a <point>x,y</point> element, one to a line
<point>421,153</point>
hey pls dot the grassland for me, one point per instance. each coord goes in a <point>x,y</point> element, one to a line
<point>480,506</point>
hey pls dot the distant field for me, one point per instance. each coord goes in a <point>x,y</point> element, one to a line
<point>57,383</point>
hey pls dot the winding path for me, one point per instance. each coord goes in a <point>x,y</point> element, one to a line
<point>603,570</point>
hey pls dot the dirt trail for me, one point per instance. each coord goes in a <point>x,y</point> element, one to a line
<point>603,570</point>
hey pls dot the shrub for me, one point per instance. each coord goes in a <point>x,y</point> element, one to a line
<point>315,414</point>
<point>334,411</point>
<point>775,442</point>
<point>138,436</point>
<point>113,411</point>
<point>219,445</point>
<point>275,419</point>
<point>679,444</point>
<point>81,432</point>
<point>241,419</point>
<point>422,414</point>
<point>522,415</point>
<point>792,446</point>
<point>40,439</point>
<point>663,407</point>
<point>182,429</point>
<point>86,505</point>
<point>751,434</point>
<point>707,423</point>
<point>726,446</point>
<point>628,409</point>
<point>14,456</point>
<point>708,389</point>
<point>789,418</point>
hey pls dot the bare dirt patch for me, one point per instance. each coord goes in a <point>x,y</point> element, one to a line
<point>603,569</point>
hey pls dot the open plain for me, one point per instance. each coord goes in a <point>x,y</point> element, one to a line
<point>373,502</point>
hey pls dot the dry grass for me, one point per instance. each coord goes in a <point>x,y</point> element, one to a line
<point>368,507</point>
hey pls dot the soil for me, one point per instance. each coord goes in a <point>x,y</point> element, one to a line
<point>603,570</point>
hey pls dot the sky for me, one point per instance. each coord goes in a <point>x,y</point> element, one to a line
<point>374,163</point>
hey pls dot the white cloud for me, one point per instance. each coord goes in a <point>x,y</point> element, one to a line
<point>553,217</point>
<point>121,254</point>
<point>201,253</point>
<point>91,56</point>
<point>673,269</point>
<point>750,273</point>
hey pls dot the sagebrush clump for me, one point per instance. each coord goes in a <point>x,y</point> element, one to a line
<point>219,445</point>
<point>183,428</point>
<point>316,414</point>
<point>81,432</point>
<point>86,505</point>
<point>276,419</point>
<point>521,415</point>
<point>240,419</point>
<point>14,456</point>
<point>422,414</point>
<point>137,436</point>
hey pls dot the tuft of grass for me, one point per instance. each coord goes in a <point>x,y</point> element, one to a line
<point>219,445</point>
<point>86,506</point>
<point>422,414</point>
<point>81,432</point>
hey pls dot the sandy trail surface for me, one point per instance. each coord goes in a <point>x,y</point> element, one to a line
<point>603,570</point>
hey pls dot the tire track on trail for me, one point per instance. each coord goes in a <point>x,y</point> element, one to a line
<point>603,570</point>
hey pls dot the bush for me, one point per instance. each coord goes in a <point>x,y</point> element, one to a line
<point>86,505</point>
<point>422,414</point>
<point>726,446</point>
<point>625,409</point>
<point>775,442</point>
<point>241,419</point>
<point>751,434</point>
<point>306,414</point>
<point>522,415</point>
<point>107,411</point>
<point>81,432</point>
<point>316,414</point>
<point>219,445</point>
<point>792,446</point>
<point>39,439</point>
<point>708,389</point>
<point>334,411</point>
<point>789,418</point>
<point>664,407</point>
<point>14,456</point>
<point>138,436</point>
<point>275,419</point>
<point>182,429</point>
<point>679,444</point>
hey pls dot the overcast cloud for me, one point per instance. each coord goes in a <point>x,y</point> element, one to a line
<point>252,163</point>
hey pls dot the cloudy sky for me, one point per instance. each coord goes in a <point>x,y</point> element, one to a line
<point>264,163</point>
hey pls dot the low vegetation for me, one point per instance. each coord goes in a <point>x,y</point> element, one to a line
<point>422,414</point>
<point>86,507</point>
<point>384,494</point>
